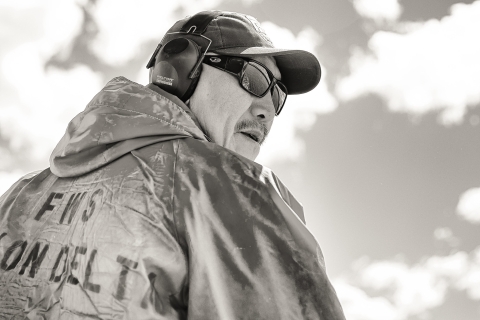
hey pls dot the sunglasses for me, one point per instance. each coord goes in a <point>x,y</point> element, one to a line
<point>253,77</point>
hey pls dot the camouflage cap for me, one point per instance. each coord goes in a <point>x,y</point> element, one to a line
<point>237,34</point>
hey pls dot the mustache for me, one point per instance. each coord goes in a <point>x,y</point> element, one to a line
<point>252,124</point>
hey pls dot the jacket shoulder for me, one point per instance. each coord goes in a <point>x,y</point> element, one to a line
<point>18,186</point>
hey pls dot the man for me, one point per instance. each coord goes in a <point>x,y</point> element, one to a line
<point>153,207</point>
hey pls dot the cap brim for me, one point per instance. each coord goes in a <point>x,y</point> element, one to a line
<point>300,69</point>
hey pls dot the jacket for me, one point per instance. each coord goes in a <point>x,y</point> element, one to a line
<point>141,217</point>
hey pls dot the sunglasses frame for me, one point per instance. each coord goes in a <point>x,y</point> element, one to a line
<point>221,62</point>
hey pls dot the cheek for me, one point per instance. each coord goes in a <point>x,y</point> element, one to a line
<point>234,98</point>
<point>231,102</point>
<point>219,103</point>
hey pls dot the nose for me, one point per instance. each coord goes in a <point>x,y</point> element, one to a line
<point>263,109</point>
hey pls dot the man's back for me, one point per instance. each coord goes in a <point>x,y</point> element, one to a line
<point>176,228</point>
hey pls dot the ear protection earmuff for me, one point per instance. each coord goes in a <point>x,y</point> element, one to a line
<point>176,66</point>
<point>174,62</point>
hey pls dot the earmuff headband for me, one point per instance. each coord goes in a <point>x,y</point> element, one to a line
<point>196,25</point>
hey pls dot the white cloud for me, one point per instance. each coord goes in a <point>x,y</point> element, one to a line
<point>34,127</point>
<point>307,39</point>
<point>32,20</point>
<point>358,305</point>
<point>46,99</point>
<point>124,26</point>
<point>402,290</point>
<point>442,233</point>
<point>59,29</point>
<point>413,290</point>
<point>446,236</point>
<point>451,267</point>
<point>468,206</point>
<point>301,111</point>
<point>250,2</point>
<point>8,4</point>
<point>431,66</point>
<point>470,280</point>
<point>7,179</point>
<point>378,10</point>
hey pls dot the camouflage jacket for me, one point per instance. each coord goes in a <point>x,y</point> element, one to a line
<point>140,217</point>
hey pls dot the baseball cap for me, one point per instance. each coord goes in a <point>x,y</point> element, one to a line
<point>237,34</point>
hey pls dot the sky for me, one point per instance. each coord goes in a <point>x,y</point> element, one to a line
<point>384,153</point>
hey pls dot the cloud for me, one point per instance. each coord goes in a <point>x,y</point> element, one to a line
<point>358,305</point>
<point>36,113</point>
<point>470,280</point>
<point>125,26</point>
<point>34,127</point>
<point>378,10</point>
<point>40,22</point>
<point>423,67</point>
<point>7,179</point>
<point>468,206</point>
<point>393,289</point>
<point>300,111</point>
<point>445,235</point>
<point>412,290</point>
<point>250,2</point>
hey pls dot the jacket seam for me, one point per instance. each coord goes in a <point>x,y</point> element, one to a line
<point>220,31</point>
<point>185,251</point>
<point>173,199</point>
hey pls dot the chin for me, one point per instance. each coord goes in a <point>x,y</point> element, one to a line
<point>245,147</point>
<point>249,153</point>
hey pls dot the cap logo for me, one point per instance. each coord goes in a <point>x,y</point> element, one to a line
<point>259,29</point>
<point>215,59</point>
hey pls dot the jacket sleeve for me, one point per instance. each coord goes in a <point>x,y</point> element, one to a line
<point>247,258</point>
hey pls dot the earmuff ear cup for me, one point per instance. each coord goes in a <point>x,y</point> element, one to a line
<point>173,64</point>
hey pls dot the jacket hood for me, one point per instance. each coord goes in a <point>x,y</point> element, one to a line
<point>122,117</point>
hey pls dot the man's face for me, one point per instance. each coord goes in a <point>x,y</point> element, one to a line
<point>229,115</point>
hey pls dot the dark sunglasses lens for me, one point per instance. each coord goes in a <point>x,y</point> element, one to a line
<point>255,80</point>
<point>278,98</point>
<point>234,65</point>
